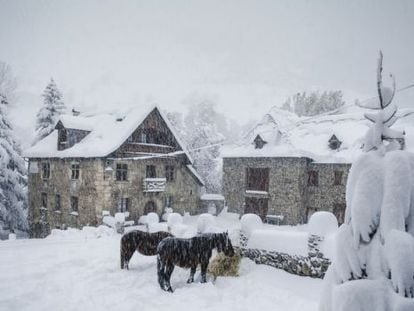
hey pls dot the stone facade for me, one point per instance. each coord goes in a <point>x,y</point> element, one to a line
<point>289,193</point>
<point>139,177</point>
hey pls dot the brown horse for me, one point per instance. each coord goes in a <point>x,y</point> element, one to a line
<point>143,242</point>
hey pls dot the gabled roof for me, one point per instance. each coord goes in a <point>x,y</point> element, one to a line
<point>308,136</point>
<point>74,122</point>
<point>106,135</point>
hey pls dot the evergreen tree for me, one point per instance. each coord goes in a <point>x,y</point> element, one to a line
<point>373,264</point>
<point>53,107</point>
<point>204,127</point>
<point>315,103</point>
<point>13,184</point>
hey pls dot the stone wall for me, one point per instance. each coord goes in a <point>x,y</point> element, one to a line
<point>287,192</point>
<point>314,265</point>
<point>97,189</point>
<point>60,183</point>
<point>327,195</point>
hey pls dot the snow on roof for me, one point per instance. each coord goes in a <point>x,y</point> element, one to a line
<point>76,122</point>
<point>107,134</point>
<point>212,197</point>
<point>196,175</point>
<point>309,136</point>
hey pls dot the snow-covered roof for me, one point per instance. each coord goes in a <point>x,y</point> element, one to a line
<point>195,174</point>
<point>107,133</point>
<point>76,122</point>
<point>309,136</point>
<point>212,197</point>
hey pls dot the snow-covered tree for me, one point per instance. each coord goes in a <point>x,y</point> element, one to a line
<point>203,133</point>
<point>53,107</point>
<point>315,103</point>
<point>13,206</point>
<point>373,265</point>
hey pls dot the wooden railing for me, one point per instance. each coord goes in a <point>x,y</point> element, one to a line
<point>154,184</point>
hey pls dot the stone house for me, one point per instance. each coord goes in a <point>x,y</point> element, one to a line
<point>289,187</point>
<point>90,164</point>
<point>286,168</point>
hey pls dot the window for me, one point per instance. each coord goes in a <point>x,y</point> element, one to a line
<point>130,139</point>
<point>75,171</point>
<point>57,202</point>
<point>257,179</point>
<point>63,136</point>
<point>123,205</point>
<point>143,138</point>
<point>338,178</point>
<point>121,172</point>
<point>44,200</point>
<point>45,170</point>
<point>74,204</point>
<point>150,173</point>
<point>168,201</point>
<point>169,172</point>
<point>313,178</point>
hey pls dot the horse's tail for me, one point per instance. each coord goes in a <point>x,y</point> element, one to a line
<point>122,255</point>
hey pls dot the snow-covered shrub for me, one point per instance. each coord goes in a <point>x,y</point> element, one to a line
<point>249,223</point>
<point>157,226</point>
<point>322,224</point>
<point>373,265</point>
<point>288,242</point>
<point>167,212</point>
<point>174,219</point>
<point>206,223</point>
<point>152,218</point>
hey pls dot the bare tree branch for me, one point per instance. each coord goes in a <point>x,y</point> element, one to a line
<point>379,79</point>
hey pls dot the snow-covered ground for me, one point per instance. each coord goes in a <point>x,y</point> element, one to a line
<point>79,270</point>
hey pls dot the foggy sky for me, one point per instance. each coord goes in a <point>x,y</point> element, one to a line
<point>251,55</point>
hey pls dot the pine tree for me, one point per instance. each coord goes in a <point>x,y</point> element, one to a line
<point>315,103</point>
<point>53,107</point>
<point>13,184</point>
<point>373,264</point>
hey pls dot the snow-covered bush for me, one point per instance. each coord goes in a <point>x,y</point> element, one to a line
<point>322,224</point>
<point>152,218</point>
<point>157,226</point>
<point>174,219</point>
<point>373,266</point>
<point>206,223</point>
<point>249,223</point>
<point>288,242</point>
<point>167,212</point>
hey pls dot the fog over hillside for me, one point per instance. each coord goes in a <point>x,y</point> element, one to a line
<point>250,55</point>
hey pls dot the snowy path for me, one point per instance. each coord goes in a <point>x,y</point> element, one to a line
<point>83,274</point>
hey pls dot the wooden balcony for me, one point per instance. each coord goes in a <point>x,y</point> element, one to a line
<point>154,184</point>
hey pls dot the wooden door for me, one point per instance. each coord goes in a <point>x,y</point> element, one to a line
<point>258,206</point>
<point>150,207</point>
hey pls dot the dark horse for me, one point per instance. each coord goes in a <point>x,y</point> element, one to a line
<point>143,242</point>
<point>188,253</point>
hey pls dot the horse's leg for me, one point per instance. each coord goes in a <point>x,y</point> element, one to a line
<point>160,270</point>
<point>128,254</point>
<point>168,272</point>
<point>192,272</point>
<point>204,266</point>
<point>122,256</point>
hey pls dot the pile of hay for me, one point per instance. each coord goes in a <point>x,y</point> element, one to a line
<point>221,265</point>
